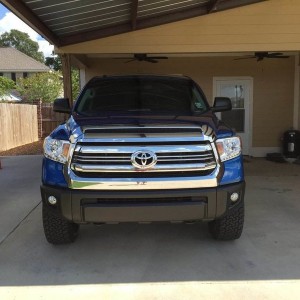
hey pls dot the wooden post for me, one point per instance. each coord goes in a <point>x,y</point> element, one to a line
<point>66,69</point>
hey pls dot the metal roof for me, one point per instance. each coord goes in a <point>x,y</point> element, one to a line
<point>72,21</point>
<point>13,60</point>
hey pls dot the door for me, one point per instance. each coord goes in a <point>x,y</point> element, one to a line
<point>239,90</point>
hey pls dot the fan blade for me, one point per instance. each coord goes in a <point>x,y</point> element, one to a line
<point>149,59</point>
<point>245,57</point>
<point>281,56</point>
<point>275,53</point>
<point>158,57</point>
<point>128,61</point>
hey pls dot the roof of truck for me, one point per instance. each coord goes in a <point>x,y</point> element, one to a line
<point>96,78</point>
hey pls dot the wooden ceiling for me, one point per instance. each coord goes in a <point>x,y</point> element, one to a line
<point>70,22</point>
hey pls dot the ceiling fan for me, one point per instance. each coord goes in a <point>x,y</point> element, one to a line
<point>261,55</point>
<point>144,57</point>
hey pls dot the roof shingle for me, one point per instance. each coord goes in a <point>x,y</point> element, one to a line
<point>12,60</point>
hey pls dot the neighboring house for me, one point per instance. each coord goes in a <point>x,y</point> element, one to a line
<point>14,64</point>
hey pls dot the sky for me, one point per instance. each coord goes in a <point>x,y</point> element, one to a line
<point>9,21</point>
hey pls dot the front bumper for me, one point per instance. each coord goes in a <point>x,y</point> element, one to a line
<point>90,206</point>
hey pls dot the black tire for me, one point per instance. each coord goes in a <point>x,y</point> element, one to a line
<point>230,226</point>
<point>58,230</point>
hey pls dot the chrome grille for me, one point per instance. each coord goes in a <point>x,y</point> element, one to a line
<point>96,158</point>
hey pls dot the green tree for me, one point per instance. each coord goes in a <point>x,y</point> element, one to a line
<point>22,42</point>
<point>75,83</point>
<point>54,63</point>
<point>6,85</point>
<point>44,86</point>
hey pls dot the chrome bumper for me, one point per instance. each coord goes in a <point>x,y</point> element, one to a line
<point>163,183</point>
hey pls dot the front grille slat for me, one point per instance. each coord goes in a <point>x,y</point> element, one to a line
<point>94,158</point>
<point>183,156</point>
<point>100,160</point>
<point>100,157</point>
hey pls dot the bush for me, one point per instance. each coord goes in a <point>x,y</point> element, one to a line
<point>6,85</point>
<point>44,86</point>
<point>75,83</point>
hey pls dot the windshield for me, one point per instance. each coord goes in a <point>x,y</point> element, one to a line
<point>149,95</point>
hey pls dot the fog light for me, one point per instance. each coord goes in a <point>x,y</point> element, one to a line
<point>52,200</point>
<point>234,197</point>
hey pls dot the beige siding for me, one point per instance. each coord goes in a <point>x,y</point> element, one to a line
<point>268,26</point>
<point>273,86</point>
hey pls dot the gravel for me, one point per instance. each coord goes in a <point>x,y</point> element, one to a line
<point>28,149</point>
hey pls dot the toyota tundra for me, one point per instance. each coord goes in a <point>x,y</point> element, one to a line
<point>142,148</point>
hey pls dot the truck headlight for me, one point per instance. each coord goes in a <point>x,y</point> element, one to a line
<point>57,150</point>
<point>229,148</point>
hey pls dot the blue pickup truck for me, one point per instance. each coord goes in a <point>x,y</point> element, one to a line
<point>142,148</point>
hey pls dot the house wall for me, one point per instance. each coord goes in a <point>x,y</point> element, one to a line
<point>7,75</point>
<point>267,26</point>
<point>18,74</point>
<point>273,81</point>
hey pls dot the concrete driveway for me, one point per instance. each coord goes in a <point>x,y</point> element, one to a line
<point>155,261</point>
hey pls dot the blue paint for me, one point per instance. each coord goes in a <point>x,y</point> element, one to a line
<point>234,171</point>
<point>53,173</point>
<point>60,133</point>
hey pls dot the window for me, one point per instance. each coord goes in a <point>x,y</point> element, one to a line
<point>151,95</point>
<point>13,77</point>
<point>25,75</point>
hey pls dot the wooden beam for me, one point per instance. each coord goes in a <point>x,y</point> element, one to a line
<point>134,11</point>
<point>223,5</point>
<point>174,17</point>
<point>66,70</point>
<point>26,15</point>
<point>212,6</point>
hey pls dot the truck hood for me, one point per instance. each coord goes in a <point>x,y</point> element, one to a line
<point>207,123</point>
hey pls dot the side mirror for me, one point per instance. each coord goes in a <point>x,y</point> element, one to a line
<point>62,105</point>
<point>221,104</point>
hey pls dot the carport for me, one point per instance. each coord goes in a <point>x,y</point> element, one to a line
<point>201,39</point>
<point>208,40</point>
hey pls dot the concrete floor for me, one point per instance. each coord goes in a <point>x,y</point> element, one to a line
<point>156,261</point>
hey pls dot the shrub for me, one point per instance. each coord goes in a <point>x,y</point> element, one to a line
<point>44,86</point>
<point>6,85</point>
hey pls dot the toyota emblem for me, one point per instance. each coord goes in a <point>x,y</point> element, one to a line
<point>143,159</point>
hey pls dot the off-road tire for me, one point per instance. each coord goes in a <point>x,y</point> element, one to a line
<point>230,226</point>
<point>58,230</point>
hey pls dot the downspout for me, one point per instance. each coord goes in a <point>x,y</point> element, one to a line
<point>296,120</point>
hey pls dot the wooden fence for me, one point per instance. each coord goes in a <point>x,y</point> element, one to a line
<point>18,125</point>
<point>50,119</point>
